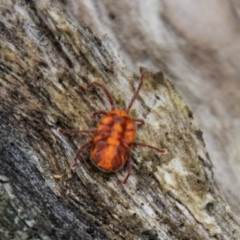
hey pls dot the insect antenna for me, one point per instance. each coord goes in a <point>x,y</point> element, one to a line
<point>143,73</point>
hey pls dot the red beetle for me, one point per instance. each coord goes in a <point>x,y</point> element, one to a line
<point>114,136</point>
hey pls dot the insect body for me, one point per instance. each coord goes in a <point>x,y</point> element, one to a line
<point>114,136</point>
<point>113,140</point>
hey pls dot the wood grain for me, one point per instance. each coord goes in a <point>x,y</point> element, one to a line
<point>48,54</point>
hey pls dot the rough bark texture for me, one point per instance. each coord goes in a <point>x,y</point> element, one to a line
<point>46,59</point>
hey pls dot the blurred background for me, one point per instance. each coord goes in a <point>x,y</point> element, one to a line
<point>196,44</point>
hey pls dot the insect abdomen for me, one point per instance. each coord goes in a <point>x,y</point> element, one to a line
<point>108,157</point>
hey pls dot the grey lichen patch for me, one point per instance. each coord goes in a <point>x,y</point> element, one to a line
<point>179,171</point>
<point>178,180</point>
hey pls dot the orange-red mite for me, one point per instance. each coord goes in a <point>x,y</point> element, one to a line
<point>113,137</point>
<point>113,140</point>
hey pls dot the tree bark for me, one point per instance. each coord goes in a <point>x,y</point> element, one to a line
<point>46,61</point>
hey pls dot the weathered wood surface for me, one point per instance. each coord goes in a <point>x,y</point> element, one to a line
<point>46,58</point>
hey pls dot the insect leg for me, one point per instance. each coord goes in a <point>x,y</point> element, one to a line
<point>143,73</point>
<point>74,165</point>
<point>139,121</point>
<point>69,131</point>
<point>106,92</point>
<point>98,113</point>
<point>163,151</point>
<point>129,171</point>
